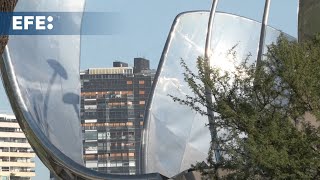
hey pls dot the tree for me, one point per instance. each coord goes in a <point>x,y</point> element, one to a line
<point>266,116</point>
<point>6,6</point>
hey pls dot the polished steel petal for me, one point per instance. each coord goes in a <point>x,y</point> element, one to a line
<point>41,78</point>
<point>47,70</point>
<point>176,137</point>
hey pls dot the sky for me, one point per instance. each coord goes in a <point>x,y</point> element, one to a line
<point>146,24</point>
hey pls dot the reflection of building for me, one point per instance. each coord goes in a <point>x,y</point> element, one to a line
<point>15,151</point>
<point>309,24</point>
<point>112,109</point>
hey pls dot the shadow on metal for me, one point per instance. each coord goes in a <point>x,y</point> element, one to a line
<point>53,158</point>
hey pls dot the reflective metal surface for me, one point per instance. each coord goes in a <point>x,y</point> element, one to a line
<point>176,137</point>
<point>47,71</point>
<point>41,78</point>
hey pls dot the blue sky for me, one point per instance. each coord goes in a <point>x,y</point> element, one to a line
<point>147,22</point>
<point>146,25</point>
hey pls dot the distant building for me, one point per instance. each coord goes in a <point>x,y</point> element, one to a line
<point>112,109</point>
<point>15,151</point>
<point>120,64</point>
<point>141,64</point>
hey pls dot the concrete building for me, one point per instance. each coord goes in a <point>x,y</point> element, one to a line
<point>15,152</point>
<point>112,112</point>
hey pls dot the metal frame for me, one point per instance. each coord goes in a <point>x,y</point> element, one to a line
<point>209,99</point>
<point>263,30</point>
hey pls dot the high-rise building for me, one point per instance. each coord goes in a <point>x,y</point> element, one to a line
<point>15,152</point>
<point>112,109</point>
<point>141,65</point>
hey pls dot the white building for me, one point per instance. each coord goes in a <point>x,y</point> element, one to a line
<point>15,152</point>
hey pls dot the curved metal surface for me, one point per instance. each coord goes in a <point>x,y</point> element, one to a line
<point>41,78</point>
<point>176,137</point>
<point>49,74</point>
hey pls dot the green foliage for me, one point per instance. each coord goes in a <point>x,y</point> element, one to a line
<point>262,114</point>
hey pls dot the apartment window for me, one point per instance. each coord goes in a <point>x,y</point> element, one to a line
<point>141,82</point>
<point>91,164</point>
<point>113,155</point>
<point>102,135</point>
<point>90,157</point>
<point>103,156</point>
<point>118,155</point>
<point>132,163</point>
<point>119,164</point>
<point>5,168</point>
<point>101,146</point>
<point>113,164</point>
<point>129,82</point>
<point>130,134</point>
<point>142,102</point>
<point>4,149</point>
<point>116,124</point>
<point>108,135</point>
<point>141,92</point>
<point>90,146</point>
<point>90,135</point>
<point>126,164</point>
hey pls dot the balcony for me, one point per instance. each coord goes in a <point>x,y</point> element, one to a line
<point>18,174</point>
<point>17,164</point>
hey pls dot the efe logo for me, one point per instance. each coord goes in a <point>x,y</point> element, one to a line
<point>37,22</point>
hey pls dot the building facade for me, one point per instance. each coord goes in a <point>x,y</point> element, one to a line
<point>15,152</point>
<point>141,65</point>
<point>112,111</point>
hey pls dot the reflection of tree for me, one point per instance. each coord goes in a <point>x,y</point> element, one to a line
<point>58,69</point>
<point>73,99</point>
<point>38,109</point>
